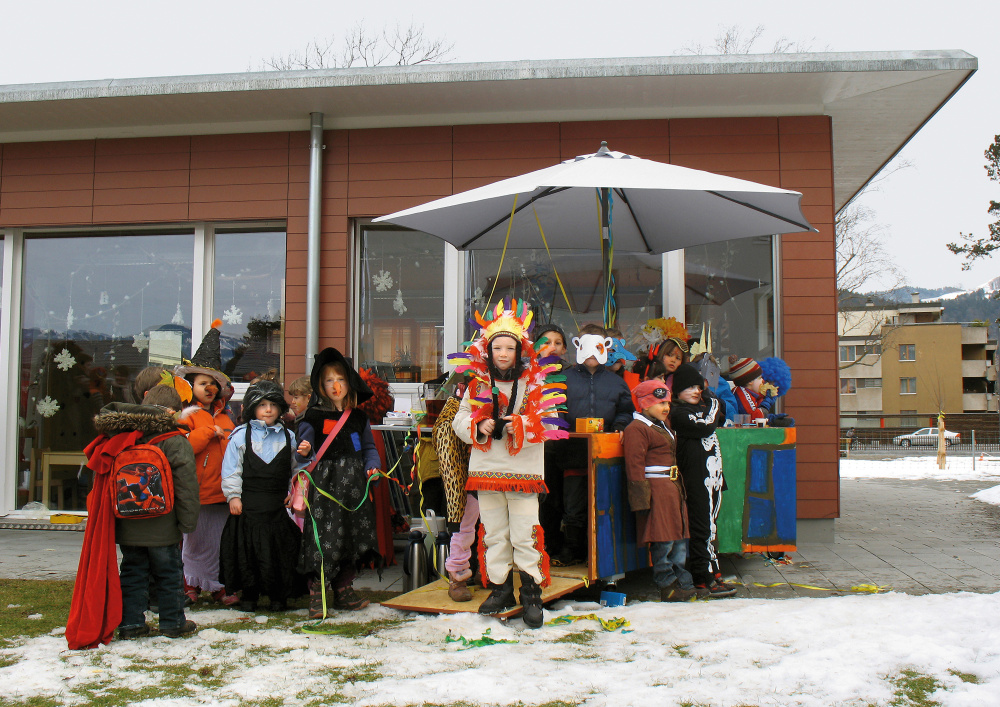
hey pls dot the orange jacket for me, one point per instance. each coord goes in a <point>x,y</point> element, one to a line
<point>208,449</point>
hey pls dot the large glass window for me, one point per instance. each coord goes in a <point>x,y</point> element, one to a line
<point>250,300</point>
<point>730,285</point>
<point>530,274</point>
<point>401,304</point>
<point>95,310</point>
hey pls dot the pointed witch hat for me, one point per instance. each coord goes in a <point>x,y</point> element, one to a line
<point>208,360</point>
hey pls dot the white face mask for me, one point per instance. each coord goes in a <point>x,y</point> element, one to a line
<point>592,345</point>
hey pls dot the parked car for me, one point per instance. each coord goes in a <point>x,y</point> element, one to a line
<point>927,436</point>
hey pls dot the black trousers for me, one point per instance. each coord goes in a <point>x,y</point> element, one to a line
<point>703,510</point>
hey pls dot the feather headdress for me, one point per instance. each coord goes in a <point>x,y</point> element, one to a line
<point>545,389</point>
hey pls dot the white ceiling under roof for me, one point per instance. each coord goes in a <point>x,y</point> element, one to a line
<point>877,100</point>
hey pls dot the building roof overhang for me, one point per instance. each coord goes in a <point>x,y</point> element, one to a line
<point>877,100</point>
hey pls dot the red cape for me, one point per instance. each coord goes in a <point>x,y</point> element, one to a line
<point>96,609</point>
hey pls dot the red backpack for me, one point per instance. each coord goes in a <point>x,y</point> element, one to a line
<point>142,484</point>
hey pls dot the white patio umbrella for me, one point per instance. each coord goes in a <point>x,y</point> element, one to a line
<point>654,207</point>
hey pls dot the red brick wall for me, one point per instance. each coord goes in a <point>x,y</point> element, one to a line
<point>374,172</point>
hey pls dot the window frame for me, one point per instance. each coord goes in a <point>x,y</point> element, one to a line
<point>852,389</point>
<point>910,349</point>
<point>903,379</point>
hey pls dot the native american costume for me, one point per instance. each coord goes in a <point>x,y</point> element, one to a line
<point>507,470</point>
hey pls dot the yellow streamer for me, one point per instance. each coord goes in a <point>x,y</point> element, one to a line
<point>612,624</point>
<point>503,254</point>
<point>857,588</point>
<point>555,272</point>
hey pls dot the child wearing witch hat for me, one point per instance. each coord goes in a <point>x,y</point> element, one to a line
<point>346,456</point>
<point>504,415</point>
<point>208,428</point>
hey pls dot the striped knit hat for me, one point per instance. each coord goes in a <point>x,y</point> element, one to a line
<point>743,370</point>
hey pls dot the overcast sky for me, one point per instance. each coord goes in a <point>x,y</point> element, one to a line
<point>924,207</point>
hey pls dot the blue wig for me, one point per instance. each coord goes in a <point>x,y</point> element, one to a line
<point>777,373</point>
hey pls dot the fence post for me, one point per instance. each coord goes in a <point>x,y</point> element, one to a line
<point>973,450</point>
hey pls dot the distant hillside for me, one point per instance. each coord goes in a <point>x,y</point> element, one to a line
<point>971,307</point>
<point>903,294</point>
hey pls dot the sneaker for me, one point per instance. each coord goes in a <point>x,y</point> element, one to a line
<point>225,599</point>
<point>674,592</point>
<point>132,632</point>
<point>347,598</point>
<point>714,590</point>
<point>186,629</point>
<point>721,588</point>
<point>190,594</point>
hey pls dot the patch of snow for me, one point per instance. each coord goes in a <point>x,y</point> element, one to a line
<point>956,468</point>
<point>990,495</point>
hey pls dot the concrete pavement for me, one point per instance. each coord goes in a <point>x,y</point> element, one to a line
<point>917,537</point>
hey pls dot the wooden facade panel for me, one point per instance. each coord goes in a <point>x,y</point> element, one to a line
<point>239,193</point>
<point>818,509</point>
<point>50,199</point>
<point>605,129</point>
<point>807,333</point>
<point>771,179</point>
<point>653,148</point>
<point>820,486</point>
<point>380,137</point>
<point>814,437</point>
<point>47,150</point>
<point>60,216</point>
<point>805,142</point>
<point>238,211</point>
<point>238,159</point>
<point>248,175</point>
<point>809,305</point>
<point>813,397</point>
<point>523,149</point>
<point>796,179</point>
<point>337,207</point>
<point>684,127</point>
<point>506,132</point>
<point>723,144</point>
<point>382,205</point>
<point>748,162</point>
<point>240,141</point>
<point>499,169</point>
<point>804,124</point>
<point>168,161</point>
<point>135,180</point>
<point>807,161</point>
<point>48,165</point>
<point>422,152</point>
<point>152,195</point>
<point>426,189</point>
<point>801,360</point>
<point>143,145</point>
<point>401,170</point>
<point>821,252</point>
<point>46,182</point>
<point>141,213</point>
<point>805,287</point>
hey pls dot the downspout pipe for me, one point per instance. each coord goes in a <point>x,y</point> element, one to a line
<point>313,229</point>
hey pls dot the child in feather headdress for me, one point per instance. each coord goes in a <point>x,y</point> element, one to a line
<point>506,414</point>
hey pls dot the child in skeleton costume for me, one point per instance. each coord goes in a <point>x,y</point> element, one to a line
<point>506,415</point>
<point>694,416</point>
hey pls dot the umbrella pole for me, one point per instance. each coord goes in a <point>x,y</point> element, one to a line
<point>605,194</point>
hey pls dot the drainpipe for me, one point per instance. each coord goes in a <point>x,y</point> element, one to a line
<point>313,251</point>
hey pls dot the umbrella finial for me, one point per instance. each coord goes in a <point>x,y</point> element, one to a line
<point>604,148</point>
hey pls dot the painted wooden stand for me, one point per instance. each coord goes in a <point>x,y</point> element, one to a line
<point>757,514</point>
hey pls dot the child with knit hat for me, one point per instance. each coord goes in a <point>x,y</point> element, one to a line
<point>694,417</point>
<point>656,490</point>
<point>747,378</point>
<point>506,414</point>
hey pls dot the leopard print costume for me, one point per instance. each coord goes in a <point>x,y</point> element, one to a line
<point>453,454</point>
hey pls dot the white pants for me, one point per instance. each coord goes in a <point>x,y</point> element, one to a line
<point>509,519</point>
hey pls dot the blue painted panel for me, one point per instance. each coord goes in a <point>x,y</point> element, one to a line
<point>761,521</point>
<point>758,476</point>
<point>783,477</point>
<point>617,551</point>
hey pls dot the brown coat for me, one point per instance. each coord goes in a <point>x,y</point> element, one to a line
<point>645,445</point>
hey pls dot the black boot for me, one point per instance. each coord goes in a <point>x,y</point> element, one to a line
<point>501,597</point>
<point>531,601</point>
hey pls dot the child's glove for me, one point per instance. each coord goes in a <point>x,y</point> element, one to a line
<point>780,419</point>
<point>768,402</point>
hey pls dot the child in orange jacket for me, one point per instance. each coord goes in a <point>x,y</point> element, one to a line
<point>209,427</point>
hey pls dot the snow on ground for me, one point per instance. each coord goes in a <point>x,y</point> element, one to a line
<point>805,651</point>
<point>990,495</point>
<point>957,468</point>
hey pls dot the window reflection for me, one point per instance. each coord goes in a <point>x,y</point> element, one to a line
<point>401,307</point>
<point>250,299</point>
<point>95,311</point>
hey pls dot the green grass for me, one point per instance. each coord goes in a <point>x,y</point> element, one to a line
<point>578,637</point>
<point>682,651</point>
<point>361,629</point>
<point>49,598</point>
<point>965,677</point>
<point>913,690</point>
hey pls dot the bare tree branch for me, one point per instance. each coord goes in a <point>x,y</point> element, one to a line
<point>734,39</point>
<point>360,46</point>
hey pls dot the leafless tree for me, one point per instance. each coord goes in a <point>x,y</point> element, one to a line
<point>391,46</point>
<point>734,39</point>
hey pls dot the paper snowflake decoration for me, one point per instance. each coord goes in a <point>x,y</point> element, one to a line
<point>64,361</point>
<point>478,299</point>
<point>397,303</point>
<point>233,316</point>
<point>382,281</point>
<point>178,317</point>
<point>47,407</point>
<point>140,341</point>
<point>70,318</point>
<point>104,298</point>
